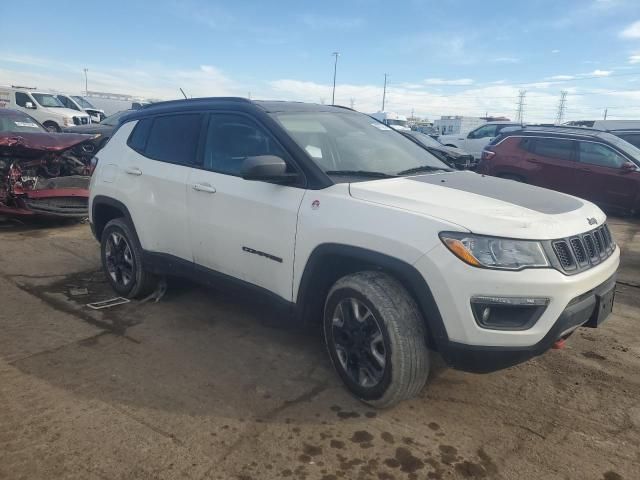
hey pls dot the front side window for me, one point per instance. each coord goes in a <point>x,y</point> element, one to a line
<point>554,148</point>
<point>18,122</point>
<point>67,102</point>
<point>349,141</point>
<point>174,138</point>
<point>231,139</point>
<point>22,99</point>
<point>483,132</point>
<point>82,102</point>
<point>632,138</point>
<point>599,154</point>
<point>47,100</point>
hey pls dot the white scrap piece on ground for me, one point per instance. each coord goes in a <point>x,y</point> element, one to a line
<point>112,302</point>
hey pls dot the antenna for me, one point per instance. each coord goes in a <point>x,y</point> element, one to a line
<point>384,91</point>
<point>561,107</point>
<point>352,102</point>
<point>605,113</point>
<point>183,94</point>
<point>520,111</point>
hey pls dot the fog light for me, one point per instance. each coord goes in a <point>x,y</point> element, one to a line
<point>508,313</point>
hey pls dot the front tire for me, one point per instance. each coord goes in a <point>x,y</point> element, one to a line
<point>122,260</point>
<point>376,338</point>
<point>51,127</point>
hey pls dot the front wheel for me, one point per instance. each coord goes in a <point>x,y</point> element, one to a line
<point>51,127</point>
<point>376,338</point>
<point>122,260</point>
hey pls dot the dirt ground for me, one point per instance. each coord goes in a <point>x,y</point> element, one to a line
<point>205,386</point>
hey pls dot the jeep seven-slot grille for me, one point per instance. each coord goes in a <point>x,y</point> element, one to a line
<point>584,251</point>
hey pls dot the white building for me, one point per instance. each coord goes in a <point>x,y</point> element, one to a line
<point>454,124</point>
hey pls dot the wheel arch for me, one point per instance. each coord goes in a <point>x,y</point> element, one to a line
<point>330,261</point>
<point>103,210</point>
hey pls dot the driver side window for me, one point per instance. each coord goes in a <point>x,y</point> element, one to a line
<point>22,99</point>
<point>231,139</point>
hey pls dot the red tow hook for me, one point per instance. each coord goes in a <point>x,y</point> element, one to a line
<point>559,344</point>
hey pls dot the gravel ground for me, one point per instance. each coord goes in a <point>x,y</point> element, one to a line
<point>204,385</point>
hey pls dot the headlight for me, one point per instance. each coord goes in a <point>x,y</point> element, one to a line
<point>67,121</point>
<point>494,252</point>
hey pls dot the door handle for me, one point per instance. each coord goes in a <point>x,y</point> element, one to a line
<point>133,171</point>
<point>203,187</point>
<point>533,160</point>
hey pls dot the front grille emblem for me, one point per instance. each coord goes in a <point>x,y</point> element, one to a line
<point>592,221</point>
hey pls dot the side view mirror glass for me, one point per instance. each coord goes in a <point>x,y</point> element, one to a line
<point>266,168</point>
<point>30,105</point>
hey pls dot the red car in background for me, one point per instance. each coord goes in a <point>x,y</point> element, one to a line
<point>587,163</point>
<point>42,173</point>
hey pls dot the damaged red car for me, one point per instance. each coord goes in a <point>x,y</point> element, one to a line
<point>42,173</point>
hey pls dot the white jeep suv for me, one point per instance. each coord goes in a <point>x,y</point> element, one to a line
<point>337,218</point>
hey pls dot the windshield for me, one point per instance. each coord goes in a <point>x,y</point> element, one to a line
<point>113,120</point>
<point>18,122</point>
<point>402,123</point>
<point>82,102</point>
<point>355,142</point>
<point>426,140</point>
<point>47,100</point>
<point>631,150</point>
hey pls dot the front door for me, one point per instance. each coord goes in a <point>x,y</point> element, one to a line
<point>478,139</point>
<point>608,184</point>
<point>242,228</point>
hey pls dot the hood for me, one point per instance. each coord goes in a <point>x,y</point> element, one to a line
<point>453,151</point>
<point>485,205</point>
<point>32,144</point>
<point>89,128</point>
<point>65,112</point>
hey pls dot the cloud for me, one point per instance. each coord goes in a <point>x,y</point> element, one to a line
<point>632,31</point>
<point>323,22</point>
<point>635,58</point>
<point>598,73</point>
<point>506,60</point>
<point>441,81</point>
<point>555,50</point>
<point>562,77</point>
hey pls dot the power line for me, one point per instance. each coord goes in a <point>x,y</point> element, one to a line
<point>335,68</point>
<point>384,91</point>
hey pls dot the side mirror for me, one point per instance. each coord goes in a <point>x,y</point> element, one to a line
<point>266,168</point>
<point>629,167</point>
<point>30,105</point>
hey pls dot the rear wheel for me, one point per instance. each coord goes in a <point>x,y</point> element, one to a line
<point>376,338</point>
<point>122,260</point>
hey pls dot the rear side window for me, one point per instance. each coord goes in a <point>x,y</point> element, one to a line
<point>138,138</point>
<point>174,138</point>
<point>601,155</point>
<point>555,148</point>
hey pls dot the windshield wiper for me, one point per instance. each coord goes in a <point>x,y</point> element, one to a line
<point>424,168</point>
<point>360,173</point>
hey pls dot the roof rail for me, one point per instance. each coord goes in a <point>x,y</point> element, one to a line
<point>196,100</point>
<point>561,128</point>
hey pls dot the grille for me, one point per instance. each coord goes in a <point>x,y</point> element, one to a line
<point>585,251</point>
<point>76,120</point>
<point>80,120</point>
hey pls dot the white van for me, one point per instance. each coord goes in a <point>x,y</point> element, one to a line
<point>78,103</point>
<point>393,120</point>
<point>606,124</point>
<point>42,106</point>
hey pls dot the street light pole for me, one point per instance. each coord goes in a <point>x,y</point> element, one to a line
<point>86,88</point>
<point>384,91</point>
<point>335,68</point>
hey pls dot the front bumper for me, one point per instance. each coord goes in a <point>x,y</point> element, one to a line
<point>581,311</point>
<point>466,345</point>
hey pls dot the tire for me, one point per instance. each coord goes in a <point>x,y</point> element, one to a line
<point>51,127</point>
<point>121,257</point>
<point>397,367</point>
<point>515,178</point>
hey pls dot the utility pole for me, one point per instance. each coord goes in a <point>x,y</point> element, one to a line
<point>520,111</point>
<point>605,113</point>
<point>86,83</point>
<point>384,90</point>
<point>561,107</point>
<point>352,102</point>
<point>335,68</point>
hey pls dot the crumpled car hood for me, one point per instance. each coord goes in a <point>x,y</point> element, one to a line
<point>33,144</point>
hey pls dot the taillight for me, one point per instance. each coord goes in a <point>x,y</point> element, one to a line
<point>93,164</point>
<point>488,154</point>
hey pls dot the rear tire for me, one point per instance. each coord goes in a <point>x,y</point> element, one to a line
<point>122,260</point>
<point>376,338</point>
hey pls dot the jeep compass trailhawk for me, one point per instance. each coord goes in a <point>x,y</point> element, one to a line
<point>337,218</point>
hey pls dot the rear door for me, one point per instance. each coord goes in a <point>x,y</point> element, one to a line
<point>551,163</point>
<point>608,184</point>
<point>242,228</point>
<point>154,178</point>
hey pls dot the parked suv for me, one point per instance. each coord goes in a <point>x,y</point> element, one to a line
<point>588,163</point>
<point>478,138</point>
<point>337,218</point>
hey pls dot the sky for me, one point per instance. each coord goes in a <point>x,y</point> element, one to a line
<point>445,57</point>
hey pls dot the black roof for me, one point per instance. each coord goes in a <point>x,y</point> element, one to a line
<point>560,130</point>
<point>234,103</point>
